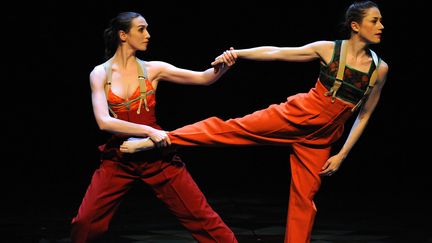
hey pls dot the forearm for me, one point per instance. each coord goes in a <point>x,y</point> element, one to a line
<point>304,53</point>
<point>212,75</point>
<point>362,119</point>
<point>263,53</point>
<point>354,135</point>
<point>173,74</point>
<point>117,126</point>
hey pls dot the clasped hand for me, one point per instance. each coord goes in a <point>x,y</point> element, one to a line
<point>226,59</point>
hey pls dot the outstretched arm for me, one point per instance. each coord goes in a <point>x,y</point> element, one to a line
<point>167,72</point>
<point>334,162</point>
<point>305,53</point>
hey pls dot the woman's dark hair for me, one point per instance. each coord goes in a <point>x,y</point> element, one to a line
<point>121,22</point>
<point>356,12</point>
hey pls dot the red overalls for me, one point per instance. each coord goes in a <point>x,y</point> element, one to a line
<point>308,122</point>
<point>166,174</point>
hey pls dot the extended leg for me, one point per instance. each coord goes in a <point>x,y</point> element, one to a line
<point>100,202</point>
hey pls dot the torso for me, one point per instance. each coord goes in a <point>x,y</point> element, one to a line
<point>356,76</point>
<point>124,95</point>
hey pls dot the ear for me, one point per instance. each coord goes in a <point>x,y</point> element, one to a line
<point>355,26</point>
<point>122,35</point>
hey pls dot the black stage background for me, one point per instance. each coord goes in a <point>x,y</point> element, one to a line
<point>51,138</point>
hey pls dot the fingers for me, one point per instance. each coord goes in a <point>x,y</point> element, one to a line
<point>161,141</point>
<point>164,143</point>
<point>125,148</point>
<point>218,60</point>
<point>233,53</point>
<point>328,172</point>
<point>168,140</point>
<point>228,58</point>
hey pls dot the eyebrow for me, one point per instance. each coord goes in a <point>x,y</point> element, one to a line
<point>377,18</point>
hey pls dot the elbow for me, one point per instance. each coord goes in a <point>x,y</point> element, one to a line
<point>103,124</point>
<point>208,83</point>
<point>364,118</point>
<point>103,127</point>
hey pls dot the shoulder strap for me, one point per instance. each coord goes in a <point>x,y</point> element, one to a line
<point>342,61</point>
<point>142,70</point>
<point>108,71</point>
<point>341,70</point>
<point>142,77</point>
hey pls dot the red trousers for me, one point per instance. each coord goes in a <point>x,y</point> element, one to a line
<point>170,181</point>
<point>308,122</point>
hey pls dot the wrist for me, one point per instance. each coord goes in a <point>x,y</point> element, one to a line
<point>148,131</point>
<point>343,154</point>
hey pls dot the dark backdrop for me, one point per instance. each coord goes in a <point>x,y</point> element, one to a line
<point>51,138</point>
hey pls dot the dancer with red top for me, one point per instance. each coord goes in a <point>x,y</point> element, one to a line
<point>124,86</point>
<point>350,80</point>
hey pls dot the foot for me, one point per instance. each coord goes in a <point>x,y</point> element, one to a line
<point>133,145</point>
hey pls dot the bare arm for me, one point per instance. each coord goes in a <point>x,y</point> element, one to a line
<point>168,72</point>
<point>114,125</point>
<point>308,52</point>
<point>334,162</point>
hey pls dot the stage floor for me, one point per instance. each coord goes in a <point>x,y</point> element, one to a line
<point>253,218</point>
